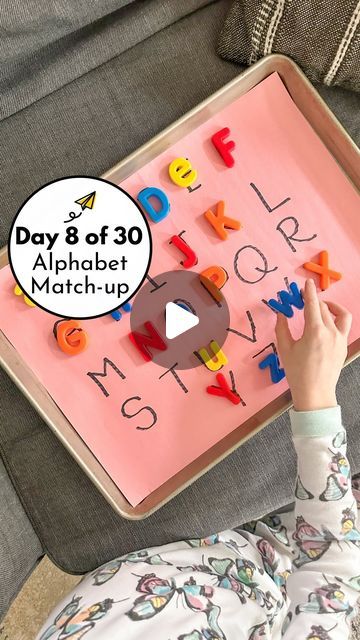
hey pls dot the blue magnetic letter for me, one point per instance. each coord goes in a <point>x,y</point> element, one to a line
<point>117,315</point>
<point>153,192</point>
<point>276,372</point>
<point>286,300</point>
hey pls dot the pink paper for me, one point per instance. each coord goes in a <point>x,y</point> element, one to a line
<point>277,150</point>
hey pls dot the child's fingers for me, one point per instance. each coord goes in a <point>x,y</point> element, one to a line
<point>283,334</point>
<point>328,320</point>
<point>312,311</point>
<point>343,317</point>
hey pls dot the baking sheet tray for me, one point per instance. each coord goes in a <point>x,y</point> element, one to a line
<point>347,156</point>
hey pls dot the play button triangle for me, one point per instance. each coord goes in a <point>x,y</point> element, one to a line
<point>178,320</point>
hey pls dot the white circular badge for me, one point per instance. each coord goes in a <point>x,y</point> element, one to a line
<point>80,247</point>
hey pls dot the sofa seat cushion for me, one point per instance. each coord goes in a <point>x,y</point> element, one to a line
<point>20,547</point>
<point>45,45</point>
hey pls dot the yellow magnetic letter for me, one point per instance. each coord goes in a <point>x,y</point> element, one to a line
<point>219,359</point>
<point>182,173</point>
<point>18,292</point>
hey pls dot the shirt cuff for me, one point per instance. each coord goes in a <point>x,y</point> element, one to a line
<point>312,424</point>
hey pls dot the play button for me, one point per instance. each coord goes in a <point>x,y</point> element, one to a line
<point>175,317</point>
<point>178,320</point>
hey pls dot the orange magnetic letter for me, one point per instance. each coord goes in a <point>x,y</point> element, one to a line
<point>220,222</point>
<point>326,274</point>
<point>215,274</point>
<point>71,338</point>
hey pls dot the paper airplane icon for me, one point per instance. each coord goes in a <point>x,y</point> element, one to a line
<point>178,320</point>
<point>87,202</point>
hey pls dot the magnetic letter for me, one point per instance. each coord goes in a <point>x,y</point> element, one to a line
<point>215,274</point>
<point>223,390</point>
<point>220,222</point>
<point>71,338</point>
<point>276,372</point>
<point>326,274</point>
<point>219,359</point>
<point>190,255</point>
<point>144,199</point>
<point>181,172</point>
<point>286,300</point>
<point>224,148</point>
<point>19,292</point>
<point>212,289</point>
<point>142,341</point>
<point>117,315</point>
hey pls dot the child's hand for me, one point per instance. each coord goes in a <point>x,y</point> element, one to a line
<point>313,363</point>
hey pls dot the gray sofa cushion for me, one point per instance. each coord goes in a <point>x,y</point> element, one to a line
<point>19,546</point>
<point>44,45</point>
<point>323,37</point>
<point>85,127</point>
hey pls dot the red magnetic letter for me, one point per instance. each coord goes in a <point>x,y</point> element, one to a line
<point>223,390</point>
<point>142,341</point>
<point>191,257</point>
<point>224,148</point>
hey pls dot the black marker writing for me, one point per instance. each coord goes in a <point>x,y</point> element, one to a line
<point>132,415</point>
<point>188,304</point>
<point>176,376</point>
<point>154,284</point>
<point>266,205</point>
<point>291,236</point>
<point>94,376</point>
<point>251,338</point>
<point>271,346</point>
<point>234,390</point>
<point>191,189</point>
<point>264,271</point>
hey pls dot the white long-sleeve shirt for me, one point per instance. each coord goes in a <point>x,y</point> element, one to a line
<point>294,576</point>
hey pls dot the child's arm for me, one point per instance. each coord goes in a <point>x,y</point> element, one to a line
<point>324,586</point>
